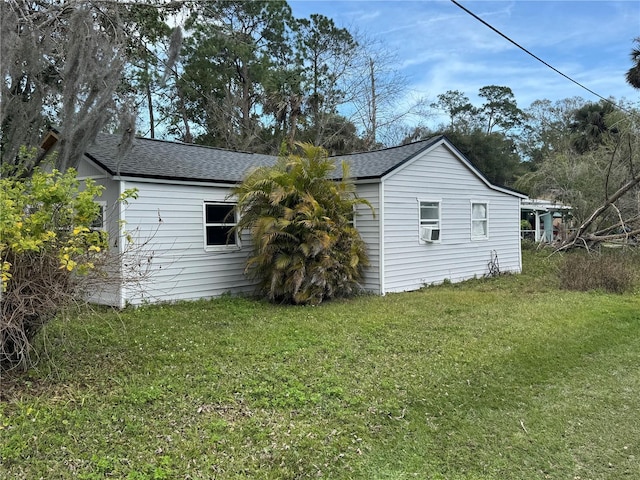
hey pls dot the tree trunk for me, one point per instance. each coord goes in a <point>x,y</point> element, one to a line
<point>579,234</point>
<point>152,130</point>
<point>371,140</point>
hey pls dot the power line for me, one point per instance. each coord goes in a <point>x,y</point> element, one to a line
<point>539,59</point>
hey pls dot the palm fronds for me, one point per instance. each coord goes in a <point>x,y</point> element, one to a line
<point>305,249</point>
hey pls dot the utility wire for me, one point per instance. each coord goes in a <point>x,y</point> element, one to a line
<point>539,59</point>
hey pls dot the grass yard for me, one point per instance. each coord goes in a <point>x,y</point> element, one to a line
<point>506,378</point>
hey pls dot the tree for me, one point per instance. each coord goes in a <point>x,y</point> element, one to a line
<point>148,67</point>
<point>284,97</point>
<point>377,94</point>
<point>417,133</point>
<point>589,128</point>
<point>599,182</point>
<point>228,56</point>
<point>328,53</point>
<point>459,109</point>
<point>340,136</point>
<point>78,66</point>
<point>305,247</point>
<point>547,129</point>
<point>494,154</point>
<point>500,108</point>
<point>62,65</point>
<point>633,74</point>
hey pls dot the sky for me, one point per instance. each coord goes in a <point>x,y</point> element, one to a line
<point>440,47</point>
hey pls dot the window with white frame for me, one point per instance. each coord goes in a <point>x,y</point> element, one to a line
<point>479,220</point>
<point>351,217</point>
<point>219,220</point>
<point>429,221</point>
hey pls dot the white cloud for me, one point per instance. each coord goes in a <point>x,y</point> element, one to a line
<point>440,47</point>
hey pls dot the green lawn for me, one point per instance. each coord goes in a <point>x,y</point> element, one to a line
<point>506,378</point>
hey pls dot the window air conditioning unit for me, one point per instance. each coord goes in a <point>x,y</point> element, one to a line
<point>429,234</point>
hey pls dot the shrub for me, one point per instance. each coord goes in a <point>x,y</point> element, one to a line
<point>306,248</point>
<point>46,247</point>
<point>612,272</point>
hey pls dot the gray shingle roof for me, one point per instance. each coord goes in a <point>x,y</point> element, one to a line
<point>378,163</point>
<point>172,160</point>
<point>150,158</point>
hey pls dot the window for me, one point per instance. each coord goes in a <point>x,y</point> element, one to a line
<point>429,221</point>
<point>479,221</point>
<point>219,220</point>
<point>351,217</point>
<point>99,222</point>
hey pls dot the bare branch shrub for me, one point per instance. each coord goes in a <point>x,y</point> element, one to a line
<point>613,272</point>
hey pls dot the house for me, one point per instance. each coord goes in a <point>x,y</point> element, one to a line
<point>547,221</point>
<point>436,217</point>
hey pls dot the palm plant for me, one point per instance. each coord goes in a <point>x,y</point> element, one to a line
<point>633,75</point>
<point>305,247</point>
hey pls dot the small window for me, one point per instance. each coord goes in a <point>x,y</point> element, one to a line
<point>479,221</point>
<point>219,220</point>
<point>99,222</point>
<point>351,217</point>
<point>429,221</point>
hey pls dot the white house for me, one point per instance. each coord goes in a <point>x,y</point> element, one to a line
<point>436,217</point>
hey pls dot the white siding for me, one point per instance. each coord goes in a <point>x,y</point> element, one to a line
<point>368,224</point>
<point>87,168</point>
<point>166,223</point>
<point>440,175</point>
<point>106,289</point>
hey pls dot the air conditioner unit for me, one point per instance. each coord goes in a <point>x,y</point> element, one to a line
<point>429,234</point>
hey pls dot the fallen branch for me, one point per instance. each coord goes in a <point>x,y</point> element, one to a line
<point>579,233</point>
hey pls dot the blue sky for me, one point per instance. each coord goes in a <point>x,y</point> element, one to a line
<point>440,47</point>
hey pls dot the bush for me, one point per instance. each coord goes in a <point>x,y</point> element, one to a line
<point>46,247</point>
<point>305,247</point>
<point>613,272</point>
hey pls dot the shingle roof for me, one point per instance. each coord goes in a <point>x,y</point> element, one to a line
<point>378,163</point>
<point>151,158</point>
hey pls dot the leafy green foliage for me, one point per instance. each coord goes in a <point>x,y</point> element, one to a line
<point>633,74</point>
<point>499,112</point>
<point>229,56</point>
<point>500,109</point>
<point>546,130</point>
<point>494,154</point>
<point>459,109</point>
<point>306,248</point>
<point>590,126</point>
<point>46,246</point>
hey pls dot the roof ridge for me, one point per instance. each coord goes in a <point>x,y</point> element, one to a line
<point>431,139</point>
